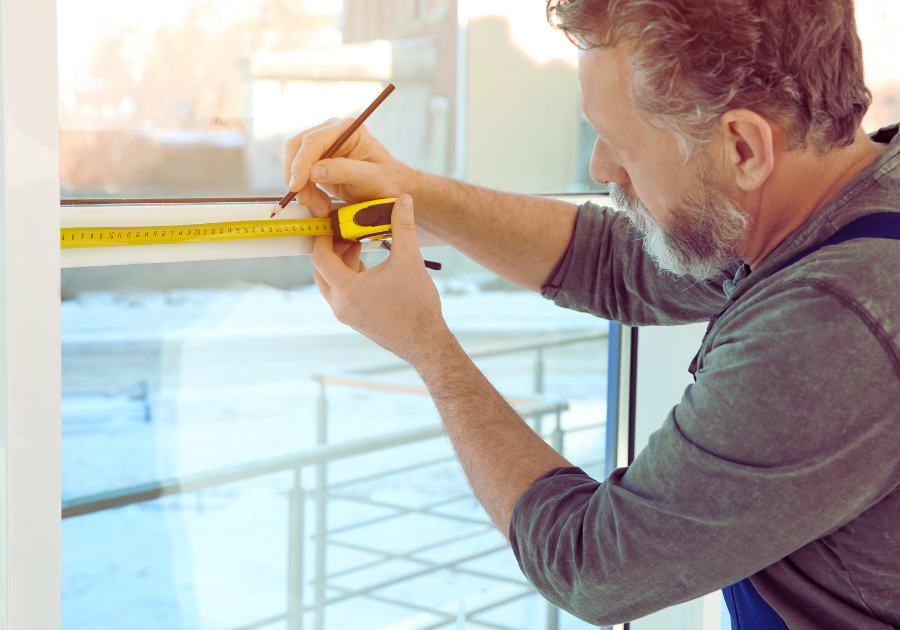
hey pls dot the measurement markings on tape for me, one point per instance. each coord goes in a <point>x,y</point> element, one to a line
<point>81,237</point>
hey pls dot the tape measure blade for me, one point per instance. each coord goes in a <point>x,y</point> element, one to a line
<point>82,237</point>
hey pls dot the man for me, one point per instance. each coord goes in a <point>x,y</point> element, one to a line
<point>729,131</point>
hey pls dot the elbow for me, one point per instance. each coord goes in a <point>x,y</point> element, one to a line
<point>570,553</point>
<point>590,598</point>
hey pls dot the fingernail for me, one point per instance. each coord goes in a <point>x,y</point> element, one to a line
<point>319,172</point>
<point>293,181</point>
<point>406,202</point>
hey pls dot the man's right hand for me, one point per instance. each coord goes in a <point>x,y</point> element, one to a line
<point>361,170</point>
<point>519,237</point>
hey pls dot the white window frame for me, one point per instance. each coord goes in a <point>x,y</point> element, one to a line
<point>30,314</point>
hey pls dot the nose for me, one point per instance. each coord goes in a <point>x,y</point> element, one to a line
<point>604,168</point>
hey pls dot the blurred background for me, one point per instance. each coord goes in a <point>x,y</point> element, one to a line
<point>196,99</point>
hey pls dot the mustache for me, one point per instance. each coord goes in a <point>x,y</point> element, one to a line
<point>625,199</point>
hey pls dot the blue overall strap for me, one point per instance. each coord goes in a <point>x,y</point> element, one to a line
<point>748,610</point>
<point>881,225</point>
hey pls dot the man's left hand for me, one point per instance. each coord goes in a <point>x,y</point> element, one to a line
<point>395,303</point>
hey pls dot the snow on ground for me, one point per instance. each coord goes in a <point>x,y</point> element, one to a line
<point>158,385</point>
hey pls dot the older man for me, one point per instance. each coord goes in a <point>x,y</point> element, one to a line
<point>729,131</point>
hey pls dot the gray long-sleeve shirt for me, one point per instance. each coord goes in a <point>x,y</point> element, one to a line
<point>782,461</point>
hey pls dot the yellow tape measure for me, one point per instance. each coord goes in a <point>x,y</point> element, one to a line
<point>359,222</point>
<point>192,233</point>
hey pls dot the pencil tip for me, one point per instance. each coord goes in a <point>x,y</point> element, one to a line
<point>272,215</point>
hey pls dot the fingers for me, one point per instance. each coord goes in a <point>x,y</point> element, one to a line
<point>312,147</point>
<point>403,229</point>
<point>319,203</point>
<point>293,145</point>
<point>330,265</point>
<point>324,289</point>
<point>314,198</point>
<point>351,256</point>
<point>342,170</point>
<point>306,194</point>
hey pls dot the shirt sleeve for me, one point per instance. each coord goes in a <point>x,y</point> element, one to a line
<point>606,272</point>
<point>788,434</point>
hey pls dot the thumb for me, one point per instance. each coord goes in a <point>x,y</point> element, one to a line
<point>403,226</point>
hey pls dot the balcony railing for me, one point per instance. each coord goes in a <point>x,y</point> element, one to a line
<point>316,593</point>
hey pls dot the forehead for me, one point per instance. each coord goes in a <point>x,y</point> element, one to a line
<point>602,66</point>
<point>603,74</point>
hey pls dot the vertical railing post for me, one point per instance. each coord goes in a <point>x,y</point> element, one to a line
<point>296,535</point>
<point>552,617</point>
<point>539,371</point>
<point>556,441</point>
<point>539,386</point>
<point>321,506</point>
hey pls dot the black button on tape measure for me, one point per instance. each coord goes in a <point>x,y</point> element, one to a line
<point>374,215</point>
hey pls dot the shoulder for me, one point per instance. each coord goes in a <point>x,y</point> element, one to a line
<point>853,284</point>
<point>855,281</point>
<point>811,352</point>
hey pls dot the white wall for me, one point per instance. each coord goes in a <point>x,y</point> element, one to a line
<point>664,354</point>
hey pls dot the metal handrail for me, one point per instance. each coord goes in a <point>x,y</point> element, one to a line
<point>478,352</point>
<point>121,497</point>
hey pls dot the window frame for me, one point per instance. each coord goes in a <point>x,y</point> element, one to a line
<point>30,310</point>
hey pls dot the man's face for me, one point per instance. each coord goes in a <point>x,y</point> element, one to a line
<point>690,225</point>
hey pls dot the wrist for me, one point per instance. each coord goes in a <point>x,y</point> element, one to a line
<point>415,183</point>
<point>438,351</point>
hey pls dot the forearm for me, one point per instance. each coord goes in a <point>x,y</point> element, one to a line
<point>500,454</point>
<point>518,237</point>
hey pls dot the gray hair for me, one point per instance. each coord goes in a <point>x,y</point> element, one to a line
<point>797,63</point>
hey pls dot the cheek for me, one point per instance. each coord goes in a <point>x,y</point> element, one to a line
<point>651,198</point>
<point>662,186</point>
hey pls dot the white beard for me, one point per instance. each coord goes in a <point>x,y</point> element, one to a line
<point>702,232</point>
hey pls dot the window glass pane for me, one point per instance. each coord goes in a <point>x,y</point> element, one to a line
<point>196,98</point>
<point>224,382</point>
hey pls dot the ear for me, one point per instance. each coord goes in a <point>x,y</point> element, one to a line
<point>749,147</point>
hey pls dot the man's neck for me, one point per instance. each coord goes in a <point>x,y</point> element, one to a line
<point>803,183</point>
